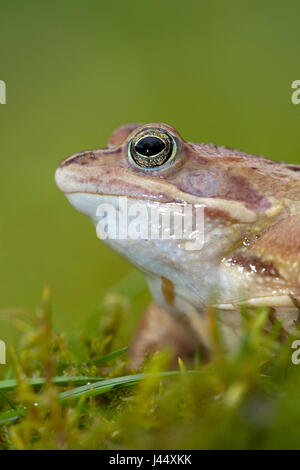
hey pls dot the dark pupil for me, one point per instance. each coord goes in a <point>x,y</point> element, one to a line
<point>149,146</point>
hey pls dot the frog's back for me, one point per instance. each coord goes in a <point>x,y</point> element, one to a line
<point>276,179</point>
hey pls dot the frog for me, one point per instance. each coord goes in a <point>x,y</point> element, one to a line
<point>250,256</point>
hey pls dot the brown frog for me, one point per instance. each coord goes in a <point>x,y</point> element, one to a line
<point>251,250</point>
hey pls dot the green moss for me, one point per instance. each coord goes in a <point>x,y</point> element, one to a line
<point>86,397</point>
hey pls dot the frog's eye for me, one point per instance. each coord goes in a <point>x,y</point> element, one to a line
<point>151,148</point>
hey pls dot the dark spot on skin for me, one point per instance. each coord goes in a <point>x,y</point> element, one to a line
<point>167,288</point>
<point>254,264</point>
<point>215,213</point>
<point>294,167</point>
<point>240,189</point>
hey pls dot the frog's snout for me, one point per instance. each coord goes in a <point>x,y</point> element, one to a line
<point>60,178</point>
<point>65,172</point>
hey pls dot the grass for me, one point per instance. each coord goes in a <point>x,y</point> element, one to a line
<point>56,396</point>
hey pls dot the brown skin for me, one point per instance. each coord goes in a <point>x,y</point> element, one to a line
<point>205,170</point>
<point>257,198</point>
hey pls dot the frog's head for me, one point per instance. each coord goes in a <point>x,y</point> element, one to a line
<point>242,196</point>
<point>153,162</point>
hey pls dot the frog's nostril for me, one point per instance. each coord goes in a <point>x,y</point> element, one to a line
<point>87,156</point>
<point>81,158</point>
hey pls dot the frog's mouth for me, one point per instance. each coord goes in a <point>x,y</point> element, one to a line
<point>74,179</point>
<point>214,208</point>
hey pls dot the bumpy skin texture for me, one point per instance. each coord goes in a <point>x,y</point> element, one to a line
<point>252,226</point>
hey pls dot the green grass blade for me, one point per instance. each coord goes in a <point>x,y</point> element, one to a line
<point>109,385</point>
<point>104,386</point>
<point>11,415</point>
<point>64,380</point>
<point>11,404</point>
<point>99,387</point>
<point>110,356</point>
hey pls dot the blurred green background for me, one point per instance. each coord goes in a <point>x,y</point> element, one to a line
<point>218,71</point>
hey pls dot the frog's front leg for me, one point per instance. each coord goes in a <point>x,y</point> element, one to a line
<point>160,329</point>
